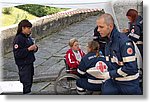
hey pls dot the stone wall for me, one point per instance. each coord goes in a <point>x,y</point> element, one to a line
<point>47,25</point>
<point>122,6</point>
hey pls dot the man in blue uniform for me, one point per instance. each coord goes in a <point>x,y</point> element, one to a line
<point>24,49</point>
<point>122,75</point>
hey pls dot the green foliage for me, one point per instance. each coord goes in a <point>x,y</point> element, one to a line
<point>14,15</point>
<point>39,10</point>
<point>7,10</point>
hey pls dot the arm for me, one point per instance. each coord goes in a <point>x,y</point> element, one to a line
<point>81,69</point>
<point>71,60</point>
<point>19,50</point>
<point>36,48</point>
<point>129,60</point>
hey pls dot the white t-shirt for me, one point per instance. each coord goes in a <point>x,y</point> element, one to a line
<point>77,55</point>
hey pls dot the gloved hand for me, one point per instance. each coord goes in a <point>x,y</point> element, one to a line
<point>104,76</point>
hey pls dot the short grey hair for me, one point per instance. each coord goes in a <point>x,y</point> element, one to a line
<point>107,18</point>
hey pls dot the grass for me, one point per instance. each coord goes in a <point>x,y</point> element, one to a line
<point>26,12</point>
<point>16,16</point>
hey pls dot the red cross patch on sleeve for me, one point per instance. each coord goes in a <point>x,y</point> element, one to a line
<point>16,46</point>
<point>129,51</point>
<point>132,31</point>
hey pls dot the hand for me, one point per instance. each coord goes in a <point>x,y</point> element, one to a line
<point>35,48</point>
<point>104,76</point>
<point>32,47</point>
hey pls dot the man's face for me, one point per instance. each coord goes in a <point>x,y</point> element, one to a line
<point>103,29</point>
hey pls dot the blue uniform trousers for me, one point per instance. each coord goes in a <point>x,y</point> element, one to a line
<point>113,87</point>
<point>26,73</point>
<point>83,83</point>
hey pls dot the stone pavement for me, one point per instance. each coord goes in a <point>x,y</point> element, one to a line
<point>49,58</point>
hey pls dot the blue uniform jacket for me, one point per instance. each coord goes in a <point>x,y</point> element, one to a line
<point>20,49</point>
<point>120,54</point>
<point>88,61</point>
<point>136,30</point>
<point>101,40</point>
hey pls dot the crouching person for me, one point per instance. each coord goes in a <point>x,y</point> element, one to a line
<point>122,76</point>
<point>88,82</point>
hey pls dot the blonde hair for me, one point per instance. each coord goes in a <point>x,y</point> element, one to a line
<point>94,46</point>
<point>72,41</point>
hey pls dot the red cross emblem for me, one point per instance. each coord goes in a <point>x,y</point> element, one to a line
<point>16,46</point>
<point>101,66</point>
<point>132,31</point>
<point>129,51</point>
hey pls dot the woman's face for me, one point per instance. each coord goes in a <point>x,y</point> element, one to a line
<point>26,30</point>
<point>129,18</point>
<point>75,46</point>
<point>88,49</point>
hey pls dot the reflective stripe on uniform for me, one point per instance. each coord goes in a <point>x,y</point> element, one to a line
<point>128,78</point>
<point>139,42</point>
<point>134,35</point>
<point>107,58</point>
<point>70,59</point>
<point>81,93</point>
<point>79,88</point>
<point>120,72</point>
<point>95,81</point>
<point>129,59</point>
<point>95,37</point>
<point>114,59</point>
<point>81,72</point>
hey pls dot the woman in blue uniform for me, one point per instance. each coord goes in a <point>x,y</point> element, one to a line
<point>88,82</point>
<point>135,30</point>
<point>135,33</point>
<point>24,49</point>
